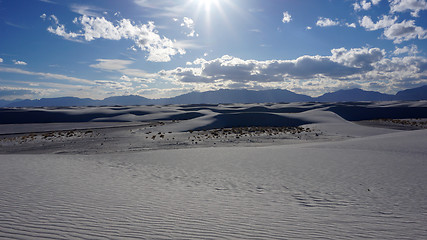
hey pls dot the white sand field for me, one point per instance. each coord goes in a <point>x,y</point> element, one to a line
<point>304,173</point>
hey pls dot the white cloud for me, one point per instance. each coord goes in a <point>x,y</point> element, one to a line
<point>87,10</point>
<point>60,29</point>
<point>342,63</point>
<point>123,86</point>
<point>155,4</point>
<point>365,67</point>
<point>121,66</point>
<point>189,23</point>
<point>326,22</point>
<point>351,25</point>
<point>1,60</point>
<point>384,22</point>
<point>357,57</point>
<point>111,64</point>
<point>405,31</point>
<point>163,93</point>
<point>398,32</point>
<point>286,17</point>
<point>414,6</point>
<point>364,4</point>
<point>19,62</point>
<point>45,75</point>
<point>8,92</point>
<point>308,28</point>
<point>48,1</point>
<point>145,36</point>
<point>413,50</point>
<point>43,16</point>
<point>165,8</point>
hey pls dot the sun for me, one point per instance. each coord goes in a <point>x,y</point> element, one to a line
<point>214,11</point>
<point>207,4</point>
<point>210,7</point>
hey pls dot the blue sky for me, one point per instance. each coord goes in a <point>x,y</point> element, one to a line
<point>164,48</point>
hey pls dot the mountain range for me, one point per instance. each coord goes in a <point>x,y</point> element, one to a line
<point>226,96</point>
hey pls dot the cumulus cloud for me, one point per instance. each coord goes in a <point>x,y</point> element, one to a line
<point>351,25</point>
<point>145,36</point>
<point>286,17</point>
<point>189,23</point>
<point>364,4</point>
<point>59,29</point>
<point>362,58</point>
<point>1,60</point>
<point>369,68</point>
<point>414,6</point>
<point>16,62</point>
<point>398,32</point>
<point>43,16</point>
<point>413,50</point>
<point>405,31</point>
<point>326,22</point>
<point>342,63</point>
<point>383,22</point>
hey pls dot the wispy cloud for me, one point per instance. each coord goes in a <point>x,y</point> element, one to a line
<point>48,1</point>
<point>15,25</point>
<point>87,10</point>
<point>122,67</point>
<point>15,92</point>
<point>45,75</point>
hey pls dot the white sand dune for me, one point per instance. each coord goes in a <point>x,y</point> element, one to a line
<point>337,180</point>
<point>340,190</point>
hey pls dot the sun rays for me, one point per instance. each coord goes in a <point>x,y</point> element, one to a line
<point>213,11</point>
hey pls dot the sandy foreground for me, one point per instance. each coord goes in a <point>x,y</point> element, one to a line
<point>242,171</point>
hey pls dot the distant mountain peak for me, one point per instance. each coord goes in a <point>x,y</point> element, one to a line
<point>227,96</point>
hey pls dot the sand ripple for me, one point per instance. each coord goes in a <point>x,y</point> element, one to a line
<point>229,193</point>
